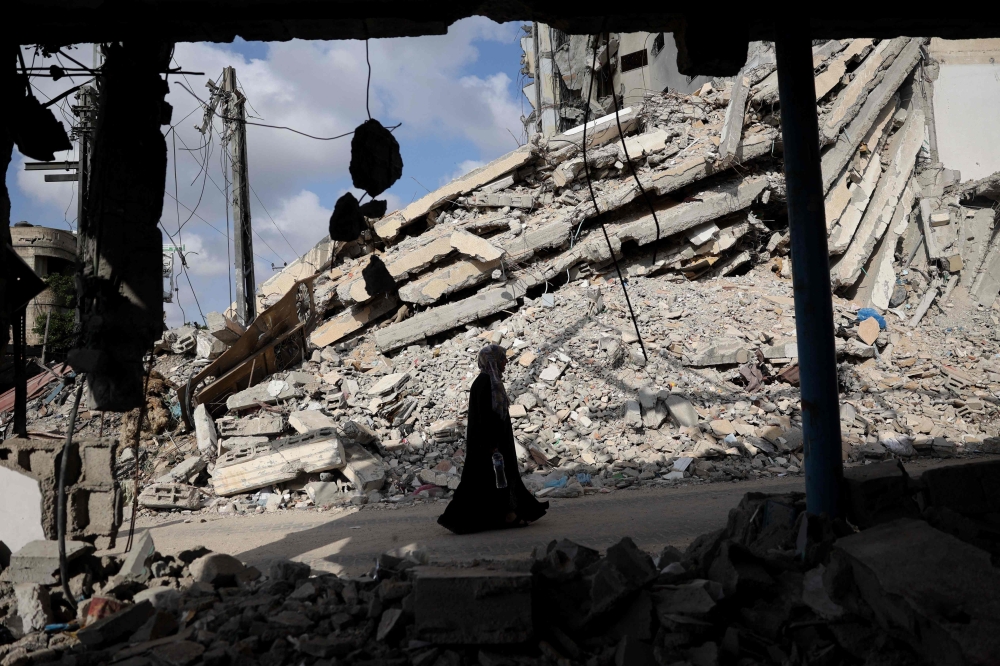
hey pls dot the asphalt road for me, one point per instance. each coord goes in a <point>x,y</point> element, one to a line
<point>348,541</point>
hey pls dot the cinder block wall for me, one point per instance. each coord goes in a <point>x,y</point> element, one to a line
<point>94,498</point>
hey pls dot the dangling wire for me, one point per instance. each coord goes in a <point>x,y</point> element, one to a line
<point>368,87</point>
<point>631,167</point>
<point>593,198</point>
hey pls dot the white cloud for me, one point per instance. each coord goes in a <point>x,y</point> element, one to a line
<point>464,167</point>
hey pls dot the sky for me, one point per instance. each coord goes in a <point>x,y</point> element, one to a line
<point>458,97</point>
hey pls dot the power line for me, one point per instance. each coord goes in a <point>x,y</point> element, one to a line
<point>294,251</point>
<point>290,129</point>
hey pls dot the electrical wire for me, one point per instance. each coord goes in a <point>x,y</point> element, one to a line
<point>597,211</point>
<point>296,252</point>
<point>631,167</point>
<point>368,86</point>
<point>290,129</point>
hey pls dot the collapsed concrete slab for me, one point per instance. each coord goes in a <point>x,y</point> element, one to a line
<point>905,571</point>
<point>470,606</point>
<point>255,466</point>
<point>364,470</point>
<point>38,561</point>
<point>389,227</point>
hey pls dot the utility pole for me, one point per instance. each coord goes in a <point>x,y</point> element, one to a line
<point>236,136</point>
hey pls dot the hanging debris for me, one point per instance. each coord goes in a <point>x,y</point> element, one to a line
<point>35,129</point>
<point>377,277</point>
<point>346,221</point>
<point>375,160</point>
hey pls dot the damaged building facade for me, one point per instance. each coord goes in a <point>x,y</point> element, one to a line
<point>691,201</point>
<point>630,65</point>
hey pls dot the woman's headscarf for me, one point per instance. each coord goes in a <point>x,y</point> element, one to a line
<point>491,358</point>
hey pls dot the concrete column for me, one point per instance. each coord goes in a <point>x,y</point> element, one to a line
<point>121,299</point>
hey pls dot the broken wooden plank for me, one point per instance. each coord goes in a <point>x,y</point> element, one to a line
<point>251,466</point>
<point>732,126</point>
<point>388,227</point>
<point>352,320</point>
<point>883,202</point>
<point>274,326</point>
<point>837,156</point>
<point>865,78</point>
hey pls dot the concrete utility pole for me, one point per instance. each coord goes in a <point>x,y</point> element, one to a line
<point>234,117</point>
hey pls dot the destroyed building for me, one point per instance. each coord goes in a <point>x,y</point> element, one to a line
<point>702,387</point>
<point>47,251</point>
<point>630,65</point>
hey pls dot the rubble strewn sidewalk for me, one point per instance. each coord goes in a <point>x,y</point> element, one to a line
<point>775,585</point>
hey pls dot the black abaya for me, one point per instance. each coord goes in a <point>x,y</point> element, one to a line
<point>478,504</point>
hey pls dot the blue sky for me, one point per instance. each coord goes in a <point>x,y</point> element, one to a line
<point>457,95</point>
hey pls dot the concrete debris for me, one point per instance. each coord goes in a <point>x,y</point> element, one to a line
<point>709,280</point>
<point>254,466</point>
<point>38,561</point>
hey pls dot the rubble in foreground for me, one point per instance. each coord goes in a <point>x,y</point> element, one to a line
<point>774,586</point>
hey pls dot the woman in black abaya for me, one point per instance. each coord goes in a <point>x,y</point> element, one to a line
<point>487,499</point>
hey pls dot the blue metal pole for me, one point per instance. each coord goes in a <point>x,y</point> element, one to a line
<point>810,268</point>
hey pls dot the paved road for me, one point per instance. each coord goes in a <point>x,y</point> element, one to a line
<point>350,540</point>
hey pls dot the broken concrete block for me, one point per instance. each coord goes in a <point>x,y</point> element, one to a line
<point>878,493</point>
<point>518,411</point>
<point>358,432</point>
<point>268,393</point>
<point>38,561</point>
<point>170,496</point>
<point>309,420</point>
<point>905,570</point>
<point>208,346</point>
<point>723,353</point>
<point>388,383</point>
<point>324,493</point>
<point>633,414</point>
<point>115,627</point>
<point>230,443</point>
<point>33,606</point>
<point>184,470</point>
<point>970,489</point>
<point>497,200</point>
<point>432,287</point>
<point>204,427</point>
<point>682,411</point>
<point>137,561</point>
<point>783,350</point>
<point>250,467</point>
<point>472,605</point>
<point>223,328</point>
<point>267,424</point>
<point>221,570</point>
<point>551,373</point>
<point>475,247</point>
<point>351,320</point>
<point>363,469</point>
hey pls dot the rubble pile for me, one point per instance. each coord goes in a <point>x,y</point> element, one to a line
<point>775,585</point>
<point>352,387</point>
